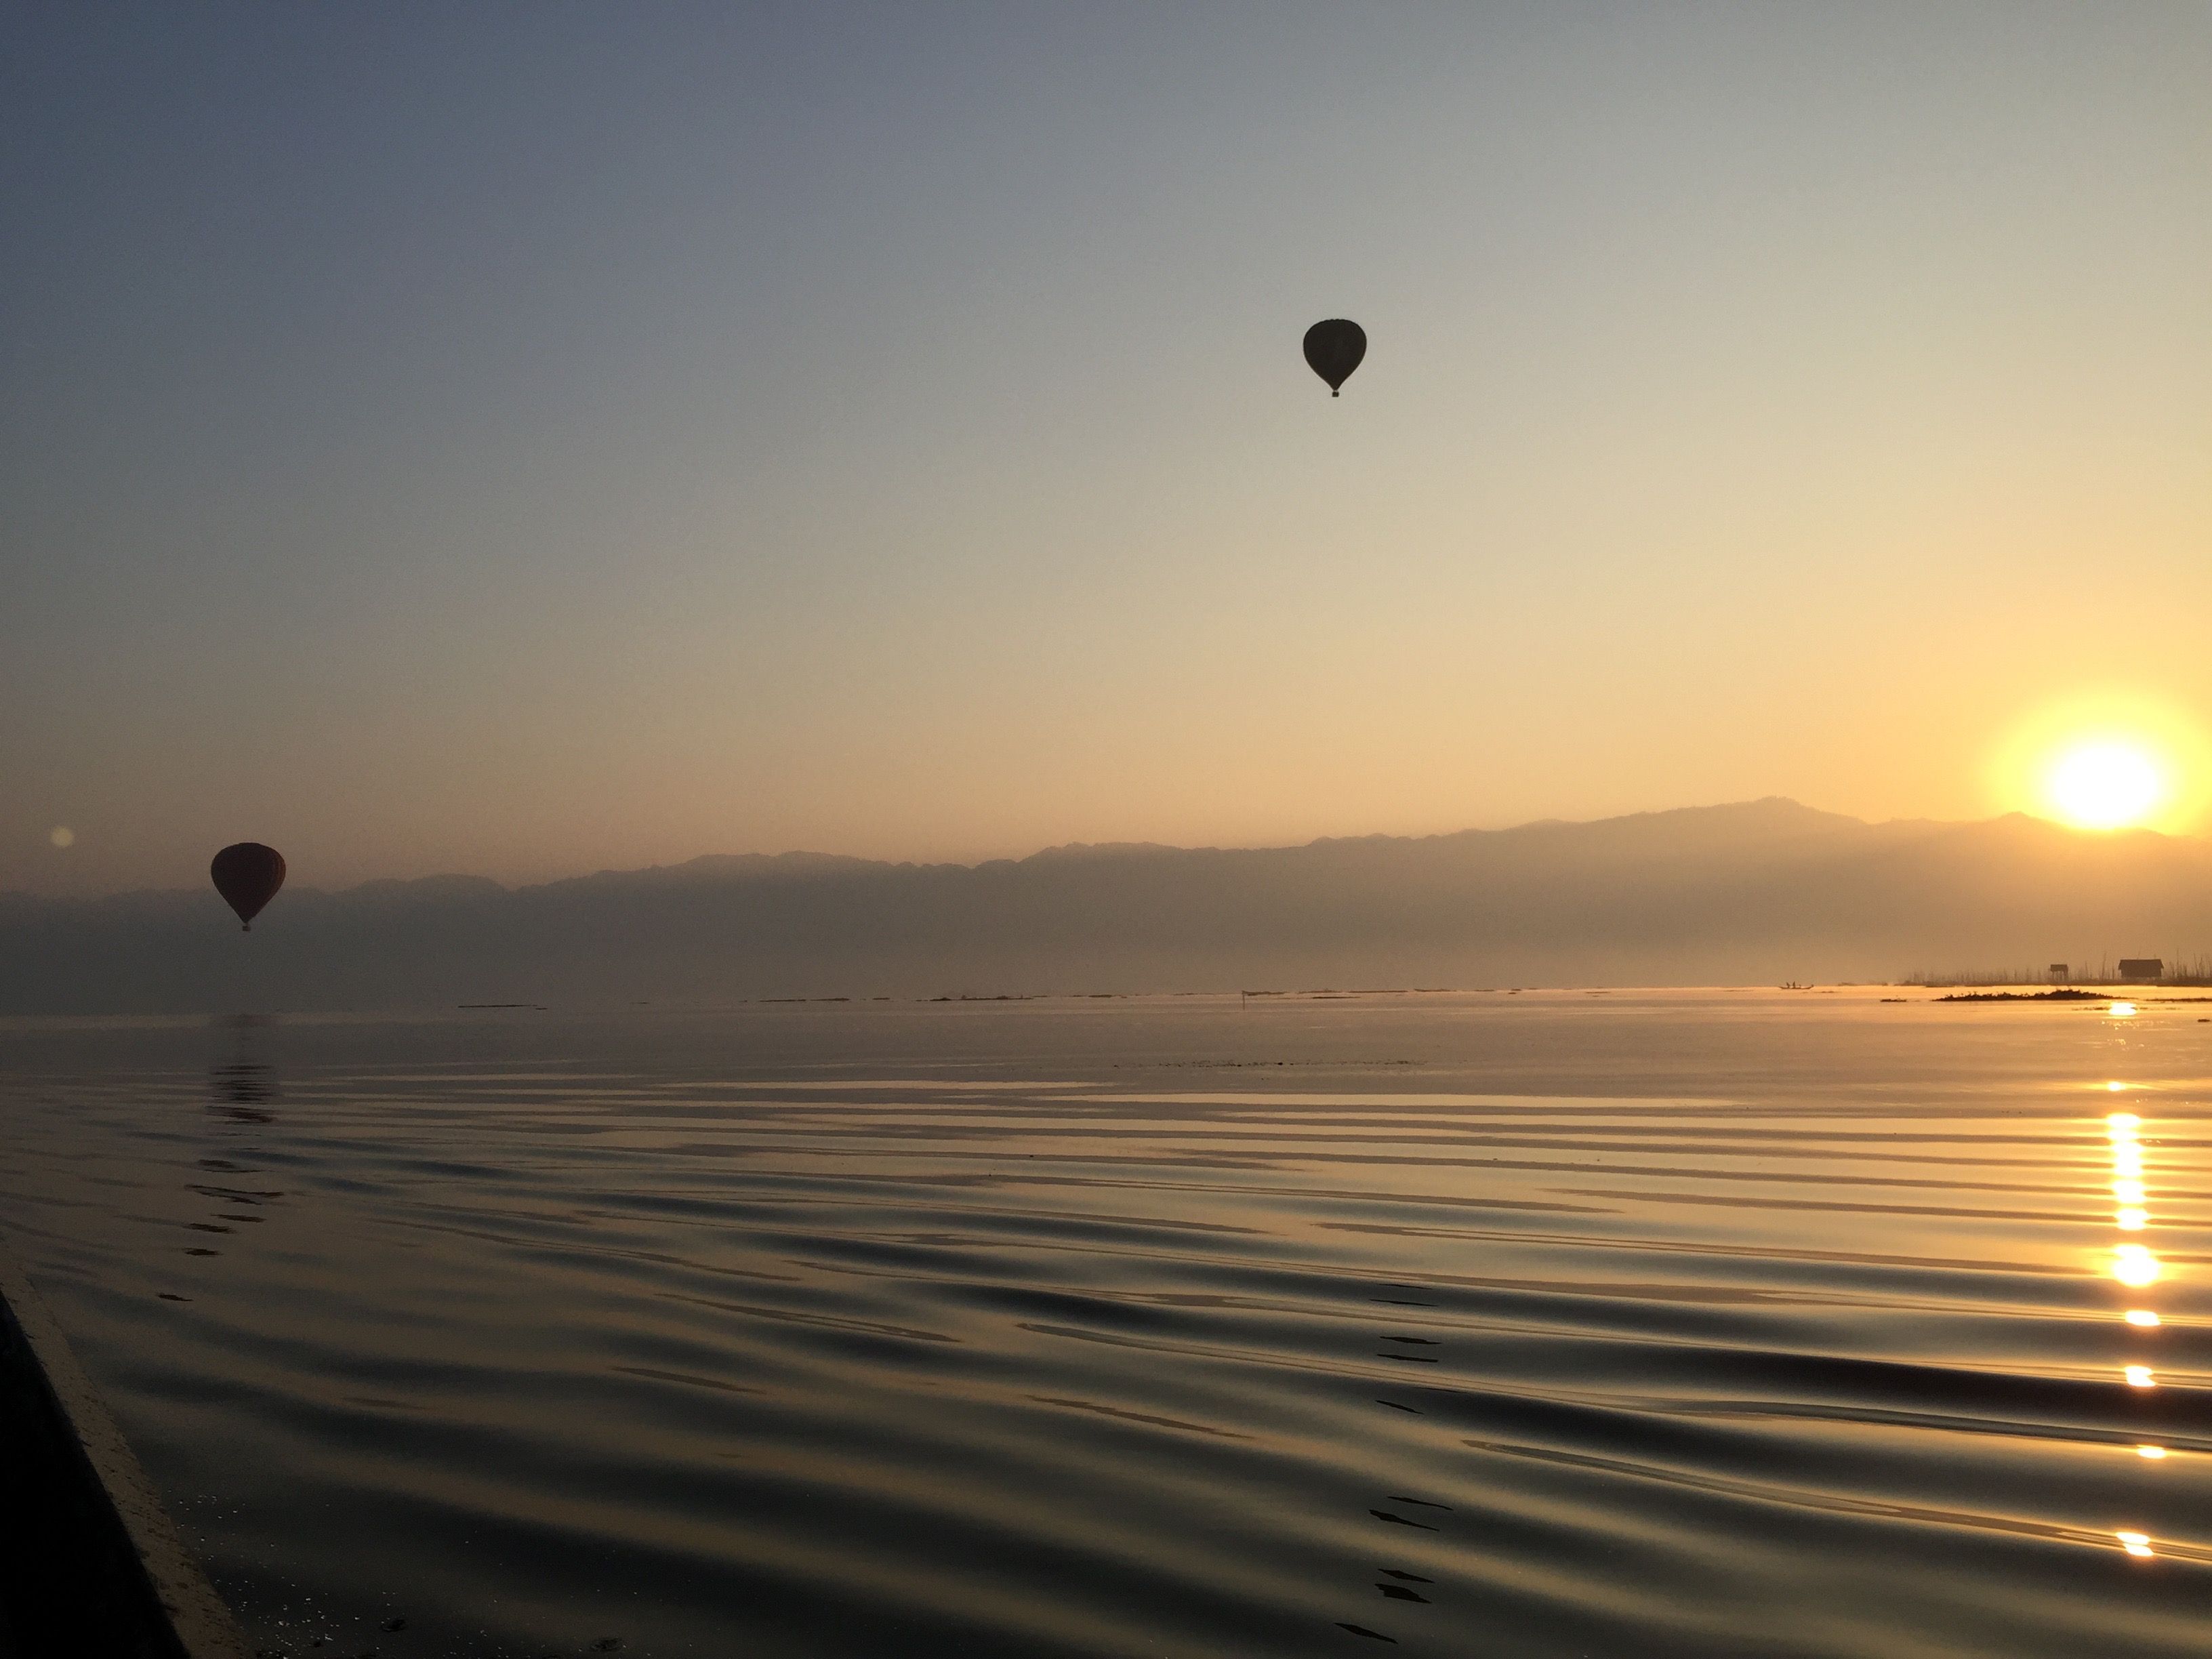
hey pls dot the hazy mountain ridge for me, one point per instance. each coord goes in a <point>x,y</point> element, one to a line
<point>1752,892</point>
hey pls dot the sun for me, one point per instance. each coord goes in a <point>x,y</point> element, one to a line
<point>2107,783</point>
<point>2108,758</point>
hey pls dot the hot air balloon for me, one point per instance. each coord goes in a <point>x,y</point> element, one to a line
<point>1334,350</point>
<point>247,876</point>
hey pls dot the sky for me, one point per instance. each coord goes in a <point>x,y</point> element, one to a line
<point>524,439</point>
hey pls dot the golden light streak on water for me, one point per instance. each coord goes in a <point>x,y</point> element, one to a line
<point>2133,1265</point>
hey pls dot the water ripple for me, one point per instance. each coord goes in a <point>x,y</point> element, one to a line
<point>1671,1323</point>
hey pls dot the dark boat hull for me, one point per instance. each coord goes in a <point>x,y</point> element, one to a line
<point>89,1564</point>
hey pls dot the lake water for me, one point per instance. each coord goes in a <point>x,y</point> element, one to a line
<point>1639,1323</point>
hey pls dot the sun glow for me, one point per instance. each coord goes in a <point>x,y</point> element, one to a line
<point>2107,783</point>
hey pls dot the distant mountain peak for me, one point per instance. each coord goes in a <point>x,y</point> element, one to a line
<point>1074,850</point>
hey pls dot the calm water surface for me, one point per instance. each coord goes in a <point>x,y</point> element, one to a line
<point>1644,1323</point>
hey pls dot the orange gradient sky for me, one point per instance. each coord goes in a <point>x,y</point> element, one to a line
<point>527,442</point>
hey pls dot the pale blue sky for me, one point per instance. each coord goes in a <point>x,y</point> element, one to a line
<point>525,439</point>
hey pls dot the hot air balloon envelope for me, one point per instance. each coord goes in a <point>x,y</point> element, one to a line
<point>247,876</point>
<point>1334,350</point>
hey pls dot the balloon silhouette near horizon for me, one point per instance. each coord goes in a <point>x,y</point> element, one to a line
<point>248,875</point>
<point>1334,349</point>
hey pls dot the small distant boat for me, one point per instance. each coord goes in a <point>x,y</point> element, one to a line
<point>1792,985</point>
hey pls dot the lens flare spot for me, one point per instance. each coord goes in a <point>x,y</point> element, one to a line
<point>62,835</point>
